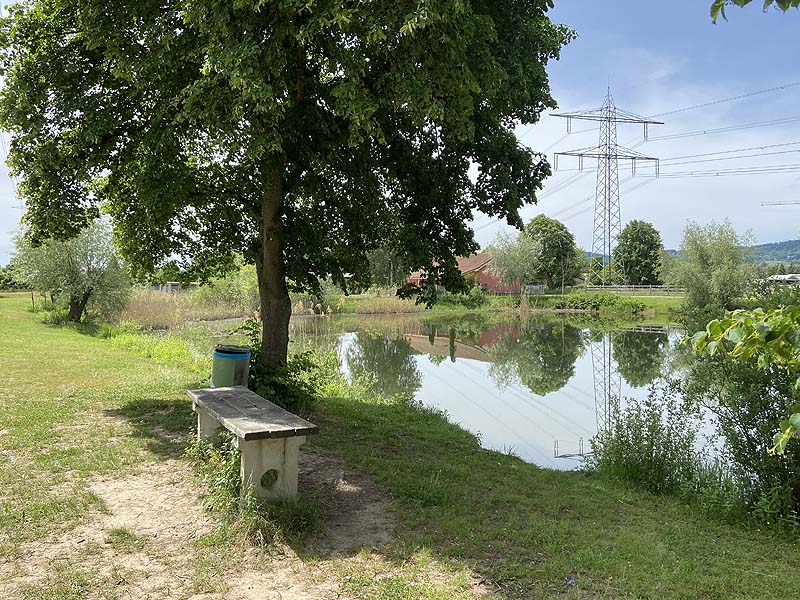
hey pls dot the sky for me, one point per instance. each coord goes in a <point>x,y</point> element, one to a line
<point>657,57</point>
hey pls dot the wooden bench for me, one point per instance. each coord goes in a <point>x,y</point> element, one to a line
<point>268,437</point>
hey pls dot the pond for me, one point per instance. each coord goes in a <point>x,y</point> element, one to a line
<point>539,387</point>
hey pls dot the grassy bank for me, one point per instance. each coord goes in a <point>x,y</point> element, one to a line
<point>78,408</point>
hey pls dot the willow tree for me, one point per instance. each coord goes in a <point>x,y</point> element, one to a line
<point>300,134</point>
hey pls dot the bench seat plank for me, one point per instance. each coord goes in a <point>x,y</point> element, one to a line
<point>248,415</point>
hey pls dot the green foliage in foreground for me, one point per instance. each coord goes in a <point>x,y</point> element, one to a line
<point>651,444</point>
<point>718,6</point>
<point>766,338</point>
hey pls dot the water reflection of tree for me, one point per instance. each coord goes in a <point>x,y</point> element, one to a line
<point>542,357</point>
<point>386,363</point>
<point>640,355</point>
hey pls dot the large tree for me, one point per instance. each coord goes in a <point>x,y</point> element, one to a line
<point>638,254</point>
<point>298,134</point>
<point>559,260</point>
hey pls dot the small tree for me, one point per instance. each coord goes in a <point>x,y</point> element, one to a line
<point>712,265</point>
<point>386,267</point>
<point>514,259</point>
<point>76,272</point>
<point>559,260</point>
<point>638,254</point>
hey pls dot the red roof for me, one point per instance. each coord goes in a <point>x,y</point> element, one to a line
<point>466,264</point>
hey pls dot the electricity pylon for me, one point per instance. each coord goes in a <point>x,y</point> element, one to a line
<point>607,220</point>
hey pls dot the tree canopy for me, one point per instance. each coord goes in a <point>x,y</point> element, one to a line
<point>559,260</point>
<point>514,258</point>
<point>712,265</point>
<point>638,254</point>
<point>300,135</point>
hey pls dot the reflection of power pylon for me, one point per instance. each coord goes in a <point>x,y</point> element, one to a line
<point>607,382</point>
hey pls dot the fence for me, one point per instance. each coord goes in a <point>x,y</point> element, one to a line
<point>632,290</point>
<point>639,290</point>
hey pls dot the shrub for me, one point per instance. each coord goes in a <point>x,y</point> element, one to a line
<point>476,297</point>
<point>296,385</point>
<point>598,301</point>
<point>650,444</point>
<point>748,404</point>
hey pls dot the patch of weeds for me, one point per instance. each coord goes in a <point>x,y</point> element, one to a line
<point>124,540</point>
<point>35,512</point>
<point>245,519</point>
<point>69,583</point>
<point>417,577</point>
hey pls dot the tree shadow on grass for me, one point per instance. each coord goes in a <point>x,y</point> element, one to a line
<point>165,424</point>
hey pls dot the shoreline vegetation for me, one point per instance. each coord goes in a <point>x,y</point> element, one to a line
<point>154,310</point>
<point>466,521</point>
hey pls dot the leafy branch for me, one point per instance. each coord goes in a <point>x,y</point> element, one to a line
<point>718,6</point>
<point>769,338</point>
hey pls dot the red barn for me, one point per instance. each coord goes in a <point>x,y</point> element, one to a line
<point>477,266</point>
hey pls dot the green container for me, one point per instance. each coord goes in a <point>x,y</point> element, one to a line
<point>231,366</point>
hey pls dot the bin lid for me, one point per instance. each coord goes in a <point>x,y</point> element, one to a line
<point>227,351</point>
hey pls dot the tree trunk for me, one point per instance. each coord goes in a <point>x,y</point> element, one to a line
<point>276,307</point>
<point>77,306</point>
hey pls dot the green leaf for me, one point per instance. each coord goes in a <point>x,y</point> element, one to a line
<point>794,421</point>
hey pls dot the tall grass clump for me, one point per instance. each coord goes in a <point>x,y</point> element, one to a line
<point>649,443</point>
<point>217,463</point>
<point>298,384</point>
<point>748,404</point>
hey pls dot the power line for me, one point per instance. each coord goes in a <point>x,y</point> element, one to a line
<point>725,129</point>
<point>731,151</point>
<point>730,99</point>
<point>693,162</point>
<point>768,169</point>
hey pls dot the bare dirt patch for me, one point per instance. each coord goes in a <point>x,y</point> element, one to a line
<point>355,513</point>
<point>161,505</point>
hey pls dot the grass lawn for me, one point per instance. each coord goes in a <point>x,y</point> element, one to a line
<point>92,431</point>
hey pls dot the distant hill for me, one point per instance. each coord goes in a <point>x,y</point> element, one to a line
<point>787,251</point>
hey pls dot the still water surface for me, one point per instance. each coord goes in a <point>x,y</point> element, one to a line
<point>539,387</point>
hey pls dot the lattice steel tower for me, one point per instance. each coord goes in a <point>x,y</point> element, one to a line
<point>607,220</point>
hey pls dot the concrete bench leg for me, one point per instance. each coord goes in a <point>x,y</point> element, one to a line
<point>206,425</point>
<point>270,467</point>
